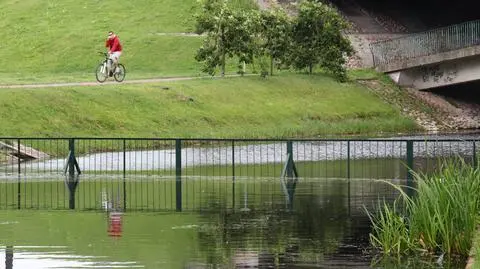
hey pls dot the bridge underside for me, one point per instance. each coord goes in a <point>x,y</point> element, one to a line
<point>421,15</point>
<point>439,74</point>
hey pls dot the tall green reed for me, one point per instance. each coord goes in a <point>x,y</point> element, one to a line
<point>390,229</point>
<point>441,216</point>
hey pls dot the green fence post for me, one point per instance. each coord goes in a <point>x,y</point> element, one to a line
<point>19,183</point>
<point>72,179</point>
<point>290,159</point>
<point>124,176</point>
<point>71,174</point>
<point>178,173</point>
<point>233,174</point>
<point>409,165</point>
<point>475,162</point>
<point>348,161</point>
<point>348,176</point>
<point>290,173</point>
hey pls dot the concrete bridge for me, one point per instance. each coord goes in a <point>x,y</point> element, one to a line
<point>431,59</point>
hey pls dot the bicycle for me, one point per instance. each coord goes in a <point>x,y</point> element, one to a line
<point>102,72</point>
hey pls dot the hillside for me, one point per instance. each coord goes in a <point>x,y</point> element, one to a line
<point>290,105</point>
<point>58,40</point>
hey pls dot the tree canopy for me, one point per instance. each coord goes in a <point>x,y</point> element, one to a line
<point>314,37</point>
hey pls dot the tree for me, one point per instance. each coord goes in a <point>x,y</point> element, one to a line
<point>229,33</point>
<point>275,34</point>
<point>318,39</point>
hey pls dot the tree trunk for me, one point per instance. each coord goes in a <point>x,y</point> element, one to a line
<point>271,65</point>
<point>310,69</point>
<point>222,44</point>
<point>222,71</point>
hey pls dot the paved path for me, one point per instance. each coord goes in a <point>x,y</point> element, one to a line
<point>89,84</point>
<point>94,83</point>
<point>180,34</point>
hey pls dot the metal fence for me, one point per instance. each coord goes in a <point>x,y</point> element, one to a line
<point>182,174</point>
<point>431,42</point>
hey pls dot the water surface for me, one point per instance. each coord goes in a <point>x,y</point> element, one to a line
<point>325,227</point>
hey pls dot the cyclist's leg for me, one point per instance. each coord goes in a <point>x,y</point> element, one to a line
<point>116,59</point>
<point>110,64</point>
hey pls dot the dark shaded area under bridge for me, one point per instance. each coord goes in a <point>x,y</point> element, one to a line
<point>465,92</point>
<point>415,15</point>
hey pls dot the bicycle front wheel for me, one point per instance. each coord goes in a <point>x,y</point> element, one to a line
<point>120,73</point>
<point>101,73</point>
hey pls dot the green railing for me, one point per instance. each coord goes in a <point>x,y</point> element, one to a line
<point>427,43</point>
<point>183,174</point>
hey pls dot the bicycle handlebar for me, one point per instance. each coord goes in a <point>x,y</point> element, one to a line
<point>103,53</point>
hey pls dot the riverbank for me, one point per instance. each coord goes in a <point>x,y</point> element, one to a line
<point>435,113</point>
<point>473,262</point>
<point>288,105</point>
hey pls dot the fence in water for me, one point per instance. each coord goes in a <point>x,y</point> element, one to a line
<point>191,174</point>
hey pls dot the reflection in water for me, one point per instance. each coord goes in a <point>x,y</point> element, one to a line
<point>325,227</point>
<point>115,224</point>
<point>320,230</point>
<point>55,257</point>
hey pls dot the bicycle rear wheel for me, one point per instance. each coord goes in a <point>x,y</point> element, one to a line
<point>101,73</point>
<point>119,75</point>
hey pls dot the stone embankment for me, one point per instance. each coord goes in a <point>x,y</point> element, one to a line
<point>431,111</point>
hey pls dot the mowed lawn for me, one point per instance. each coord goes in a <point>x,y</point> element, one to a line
<point>284,106</point>
<point>50,41</point>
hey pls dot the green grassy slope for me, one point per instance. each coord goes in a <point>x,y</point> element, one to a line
<point>58,40</point>
<point>282,106</point>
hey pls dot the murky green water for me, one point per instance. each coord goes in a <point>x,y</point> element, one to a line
<point>326,227</point>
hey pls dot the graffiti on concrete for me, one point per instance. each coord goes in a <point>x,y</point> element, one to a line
<point>439,74</point>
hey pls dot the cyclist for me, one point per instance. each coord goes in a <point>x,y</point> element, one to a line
<point>114,50</point>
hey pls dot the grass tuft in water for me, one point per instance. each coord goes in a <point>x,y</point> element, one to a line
<point>390,229</point>
<point>440,218</point>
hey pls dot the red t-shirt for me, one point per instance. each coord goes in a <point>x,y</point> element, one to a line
<point>113,44</point>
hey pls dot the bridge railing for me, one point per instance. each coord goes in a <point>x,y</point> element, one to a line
<point>426,43</point>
